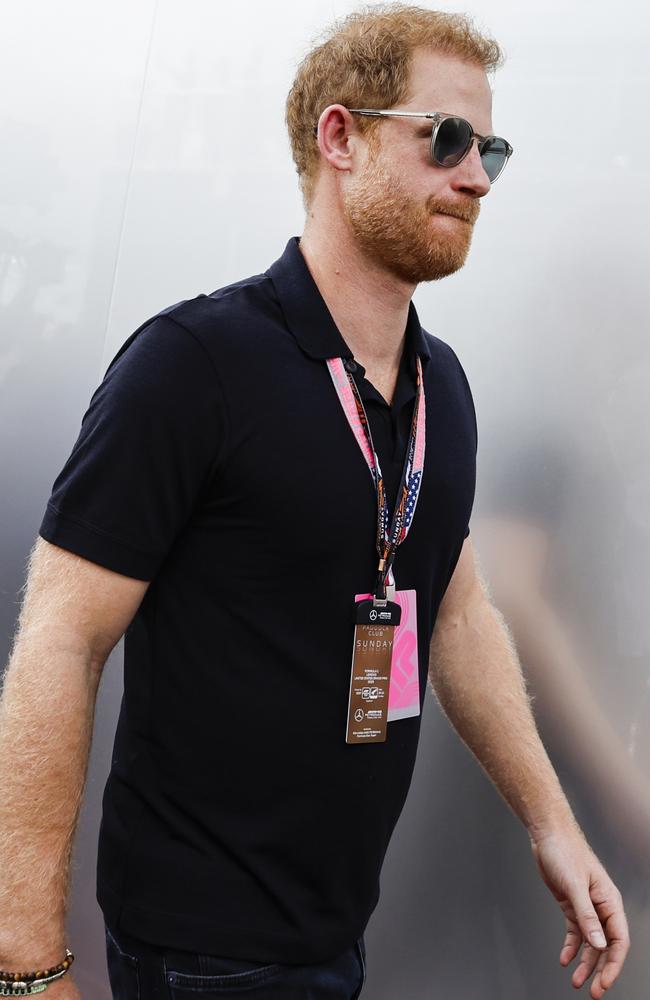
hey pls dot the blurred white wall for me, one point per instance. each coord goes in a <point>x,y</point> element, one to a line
<point>144,159</point>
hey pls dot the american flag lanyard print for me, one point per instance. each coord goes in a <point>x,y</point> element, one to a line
<point>388,537</point>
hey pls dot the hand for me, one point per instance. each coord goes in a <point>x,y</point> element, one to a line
<point>591,904</point>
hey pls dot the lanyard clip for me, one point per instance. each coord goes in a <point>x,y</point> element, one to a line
<point>379,598</point>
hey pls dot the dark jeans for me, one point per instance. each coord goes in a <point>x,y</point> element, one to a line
<point>141,971</point>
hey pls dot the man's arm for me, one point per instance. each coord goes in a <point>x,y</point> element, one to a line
<point>73,613</point>
<point>475,673</point>
<point>476,676</point>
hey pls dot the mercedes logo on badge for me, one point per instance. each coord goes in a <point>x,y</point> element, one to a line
<point>373,615</point>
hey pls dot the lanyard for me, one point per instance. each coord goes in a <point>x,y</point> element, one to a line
<point>389,536</point>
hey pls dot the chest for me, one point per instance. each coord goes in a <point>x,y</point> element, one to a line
<point>293,489</point>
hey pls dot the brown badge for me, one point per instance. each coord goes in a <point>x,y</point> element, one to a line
<point>370,680</point>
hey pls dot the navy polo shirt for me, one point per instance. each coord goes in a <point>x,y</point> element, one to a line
<point>214,460</point>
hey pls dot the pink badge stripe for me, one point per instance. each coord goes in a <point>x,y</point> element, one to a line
<point>342,386</point>
<point>420,437</point>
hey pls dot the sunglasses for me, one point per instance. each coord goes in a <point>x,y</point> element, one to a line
<point>452,138</point>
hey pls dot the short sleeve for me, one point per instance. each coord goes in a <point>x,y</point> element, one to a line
<point>471,408</point>
<point>149,442</point>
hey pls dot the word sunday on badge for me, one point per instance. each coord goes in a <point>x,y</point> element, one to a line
<point>372,654</point>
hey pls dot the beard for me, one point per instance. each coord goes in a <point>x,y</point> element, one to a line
<point>404,236</point>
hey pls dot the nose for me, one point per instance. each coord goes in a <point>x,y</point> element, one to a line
<point>469,175</point>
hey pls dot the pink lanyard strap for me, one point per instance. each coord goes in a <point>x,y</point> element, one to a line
<point>388,537</point>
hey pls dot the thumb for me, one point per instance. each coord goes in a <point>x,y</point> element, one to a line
<point>589,922</point>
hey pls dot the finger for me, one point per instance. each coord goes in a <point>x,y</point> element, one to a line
<point>610,961</point>
<point>573,937</point>
<point>597,988</point>
<point>618,936</point>
<point>588,960</point>
<point>589,922</point>
<point>569,949</point>
<point>614,963</point>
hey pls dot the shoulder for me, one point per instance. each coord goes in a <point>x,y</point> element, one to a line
<point>249,305</point>
<point>445,357</point>
<point>448,373</point>
<point>197,332</point>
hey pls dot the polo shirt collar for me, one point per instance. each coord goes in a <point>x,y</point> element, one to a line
<point>308,317</point>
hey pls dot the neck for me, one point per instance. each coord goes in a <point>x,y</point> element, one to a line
<point>368,305</point>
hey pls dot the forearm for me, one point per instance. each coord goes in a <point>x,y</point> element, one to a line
<point>558,666</point>
<point>475,673</point>
<point>46,720</point>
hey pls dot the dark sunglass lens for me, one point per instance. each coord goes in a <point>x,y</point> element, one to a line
<point>452,141</point>
<point>494,154</point>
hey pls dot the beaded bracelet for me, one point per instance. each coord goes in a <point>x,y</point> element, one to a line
<point>20,984</point>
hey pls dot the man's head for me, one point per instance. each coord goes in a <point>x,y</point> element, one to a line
<point>376,173</point>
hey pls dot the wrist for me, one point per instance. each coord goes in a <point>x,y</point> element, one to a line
<point>26,981</point>
<point>24,956</point>
<point>557,822</point>
<point>32,933</point>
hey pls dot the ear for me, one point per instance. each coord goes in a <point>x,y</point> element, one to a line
<point>339,140</point>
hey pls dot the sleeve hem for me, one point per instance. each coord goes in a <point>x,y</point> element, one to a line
<point>96,545</point>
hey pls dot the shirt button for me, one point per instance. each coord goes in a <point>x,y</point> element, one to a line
<point>350,365</point>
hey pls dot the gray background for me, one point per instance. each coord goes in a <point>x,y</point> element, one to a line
<point>145,160</point>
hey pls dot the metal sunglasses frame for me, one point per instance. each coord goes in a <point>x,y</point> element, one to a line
<point>437,117</point>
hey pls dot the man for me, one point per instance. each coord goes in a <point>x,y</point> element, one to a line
<point>226,508</point>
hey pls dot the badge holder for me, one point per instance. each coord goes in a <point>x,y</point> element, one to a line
<point>372,651</point>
